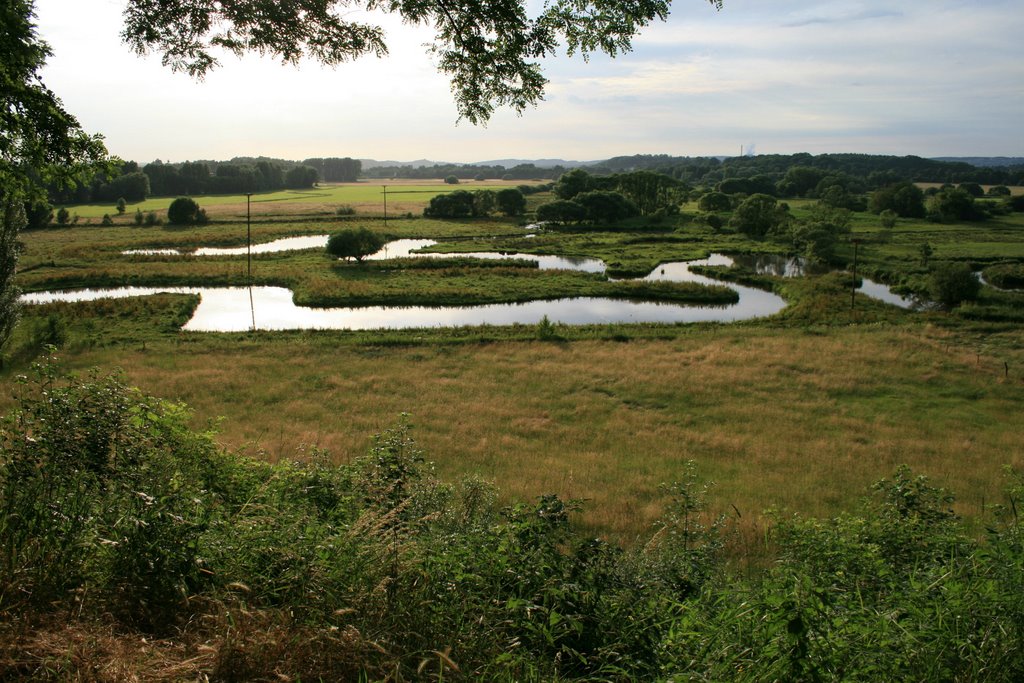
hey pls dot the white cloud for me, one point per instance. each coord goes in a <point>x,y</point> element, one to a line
<point>931,78</point>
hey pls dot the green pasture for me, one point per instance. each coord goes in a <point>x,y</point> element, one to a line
<point>370,192</point>
<point>800,410</point>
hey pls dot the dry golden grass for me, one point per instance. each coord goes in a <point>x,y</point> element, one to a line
<point>778,418</point>
<point>225,643</point>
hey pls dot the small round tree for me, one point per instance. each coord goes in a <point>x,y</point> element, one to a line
<point>185,211</point>
<point>758,215</point>
<point>358,243</point>
<point>714,202</point>
<point>953,283</point>
<point>561,211</point>
<point>511,201</point>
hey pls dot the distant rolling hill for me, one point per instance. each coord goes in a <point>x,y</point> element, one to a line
<point>986,162</point>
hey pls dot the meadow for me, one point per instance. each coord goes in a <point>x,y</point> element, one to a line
<point>798,412</point>
<point>365,196</point>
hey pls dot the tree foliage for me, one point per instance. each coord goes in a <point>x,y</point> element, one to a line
<point>300,178</point>
<point>758,214</point>
<point>951,284</point>
<point>356,243</point>
<point>905,198</point>
<point>185,211</point>
<point>714,202</point>
<point>12,221</point>
<point>39,140</point>
<point>651,192</point>
<point>457,204</point>
<point>465,204</point>
<point>573,183</point>
<point>489,50</point>
<point>817,236</point>
<point>602,206</point>
<point>511,201</point>
<point>953,204</point>
<point>561,211</point>
<point>336,170</point>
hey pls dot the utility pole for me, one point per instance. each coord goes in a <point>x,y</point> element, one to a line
<point>385,206</point>
<point>853,285</point>
<point>248,234</point>
<point>248,252</point>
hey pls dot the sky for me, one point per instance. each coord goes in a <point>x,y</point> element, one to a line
<point>936,78</point>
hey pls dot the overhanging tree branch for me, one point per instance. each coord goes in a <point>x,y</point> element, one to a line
<point>486,47</point>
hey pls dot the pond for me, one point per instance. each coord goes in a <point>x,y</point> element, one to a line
<point>403,248</point>
<point>795,266</point>
<point>229,309</point>
<point>238,309</point>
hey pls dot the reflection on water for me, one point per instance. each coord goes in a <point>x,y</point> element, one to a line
<point>403,248</point>
<point>227,309</point>
<point>780,266</point>
<point>284,244</point>
<point>796,266</point>
<point>235,309</point>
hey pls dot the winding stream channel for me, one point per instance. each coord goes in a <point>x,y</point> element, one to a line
<point>239,309</point>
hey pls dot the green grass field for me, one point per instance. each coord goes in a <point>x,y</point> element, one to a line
<point>800,411</point>
<point>367,196</point>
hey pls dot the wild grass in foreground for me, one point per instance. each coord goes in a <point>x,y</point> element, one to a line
<point>132,547</point>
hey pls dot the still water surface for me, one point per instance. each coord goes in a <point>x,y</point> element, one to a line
<point>237,309</point>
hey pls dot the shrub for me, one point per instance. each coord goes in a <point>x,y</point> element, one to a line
<point>511,201</point>
<point>63,216</point>
<point>107,220</point>
<point>1006,275</point>
<point>358,243</point>
<point>458,204</point>
<point>185,211</point>
<point>451,180</point>
<point>606,206</point>
<point>51,331</point>
<point>714,202</point>
<point>127,477</point>
<point>953,205</point>
<point>122,206</point>
<point>561,211</point>
<point>546,330</point>
<point>38,214</point>
<point>483,202</point>
<point>973,189</point>
<point>113,506</point>
<point>345,210</point>
<point>905,198</point>
<point>759,214</point>
<point>953,283</point>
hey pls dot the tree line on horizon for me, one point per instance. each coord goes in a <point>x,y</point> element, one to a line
<point>133,183</point>
<point>792,175</point>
